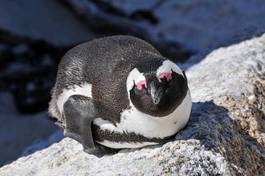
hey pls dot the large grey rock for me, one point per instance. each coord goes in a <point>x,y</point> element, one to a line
<point>19,131</point>
<point>225,135</point>
<point>197,25</point>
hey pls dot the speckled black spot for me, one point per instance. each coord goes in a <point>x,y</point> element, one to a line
<point>100,135</point>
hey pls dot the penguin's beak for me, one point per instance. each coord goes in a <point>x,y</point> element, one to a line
<point>156,93</point>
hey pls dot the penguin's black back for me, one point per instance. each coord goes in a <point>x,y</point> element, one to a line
<point>105,63</point>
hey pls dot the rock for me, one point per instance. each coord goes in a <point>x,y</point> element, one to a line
<point>214,142</point>
<point>43,143</point>
<point>17,132</point>
<point>129,17</point>
<point>191,26</point>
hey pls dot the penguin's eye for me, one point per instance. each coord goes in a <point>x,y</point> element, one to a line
<point>164,75</point>
<point>141,84</point>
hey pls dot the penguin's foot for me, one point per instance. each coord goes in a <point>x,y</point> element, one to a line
<point>94,151</point>
<point>100,151</point>
<point>79,112</point>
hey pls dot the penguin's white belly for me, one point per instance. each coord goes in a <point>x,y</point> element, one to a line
<point>134,121</point>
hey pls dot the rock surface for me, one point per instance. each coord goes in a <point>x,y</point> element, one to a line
<point>20,131</point>
<point>176,25</point>
<point>214,142</point>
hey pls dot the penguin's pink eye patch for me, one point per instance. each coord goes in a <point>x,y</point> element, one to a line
<point>141,84</point>
<point>164,75</point>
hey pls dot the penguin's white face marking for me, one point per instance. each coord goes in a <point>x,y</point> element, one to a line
<point>136,78</point>
<point>167,67</point>
<point>85,90</point>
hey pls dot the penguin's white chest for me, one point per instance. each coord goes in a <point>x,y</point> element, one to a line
<point>134,121</point>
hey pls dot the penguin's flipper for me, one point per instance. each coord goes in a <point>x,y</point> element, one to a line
<point>79,112</point>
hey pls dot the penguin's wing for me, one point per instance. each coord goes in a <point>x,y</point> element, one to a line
<point>79,112</point>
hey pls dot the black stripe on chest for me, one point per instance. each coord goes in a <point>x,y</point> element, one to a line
<point>101,135</point>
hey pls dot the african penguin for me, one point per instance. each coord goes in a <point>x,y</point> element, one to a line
<point>119,92</point>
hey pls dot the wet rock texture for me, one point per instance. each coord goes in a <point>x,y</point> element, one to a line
<point>225,135</point>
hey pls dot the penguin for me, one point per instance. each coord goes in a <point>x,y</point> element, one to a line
<point>119,92</point>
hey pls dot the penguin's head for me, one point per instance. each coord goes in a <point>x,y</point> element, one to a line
<point>157,88</point>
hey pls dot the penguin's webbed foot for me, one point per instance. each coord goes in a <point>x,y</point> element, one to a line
<point>79,112</point>
<point>99,150</point>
